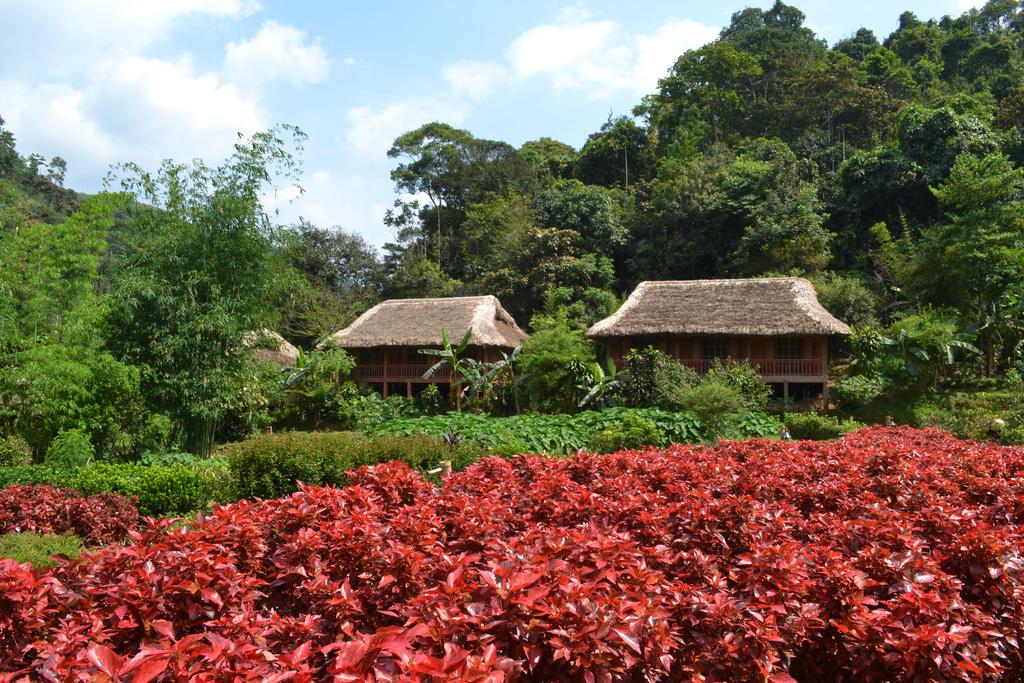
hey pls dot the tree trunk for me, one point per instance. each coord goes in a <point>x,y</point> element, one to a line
<point>199,436</point>
<point>989,354</point>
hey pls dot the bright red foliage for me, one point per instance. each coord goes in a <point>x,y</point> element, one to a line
<point>893,554</point>
<point>43,509</point>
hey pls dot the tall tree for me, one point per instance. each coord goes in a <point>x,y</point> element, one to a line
<point>200,273</point>
<point>972,258</point>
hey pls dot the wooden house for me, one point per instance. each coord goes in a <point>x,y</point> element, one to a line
<point>776,324</point>
<point>386,340</point>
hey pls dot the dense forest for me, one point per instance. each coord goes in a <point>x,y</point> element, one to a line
<point>886,171</point>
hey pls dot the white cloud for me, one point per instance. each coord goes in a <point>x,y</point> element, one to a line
<point>372,130</point>
<point>476,79</point>
<point>567,50</point>
<point>962,6</point>
<point>577,51</point>
<point>130,109</point>
<point>655,53</point>
<point>68,35</point>
<point>331,199</point>
<point>277,51</point>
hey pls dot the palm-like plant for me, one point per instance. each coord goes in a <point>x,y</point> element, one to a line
<point>315,375</point>
<point>601,387</point>
<point>500,376</point>
<point>452,357</point>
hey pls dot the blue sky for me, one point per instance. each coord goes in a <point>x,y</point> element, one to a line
<point>103,81</point>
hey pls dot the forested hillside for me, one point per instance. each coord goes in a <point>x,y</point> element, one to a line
<point>885,169</point>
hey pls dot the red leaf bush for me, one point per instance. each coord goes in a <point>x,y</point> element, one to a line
<point>893,554</point>
<point>43,509</point>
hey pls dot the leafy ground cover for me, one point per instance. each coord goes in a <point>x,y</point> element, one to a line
<point>564,433</point>
<point>891,554</point>
<point>38,549</point>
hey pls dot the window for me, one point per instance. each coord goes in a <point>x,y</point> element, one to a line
<point>789,347</point>
<point>715,347</point>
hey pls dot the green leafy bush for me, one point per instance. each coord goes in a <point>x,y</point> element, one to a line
<point>744,378</point>
<point>168,458</point>
<point>430,400</point>
<point>15,451</point>
<point>269,466</point>
<point>633,432</point>
<point>69,450</point>
<point>818,427</point>
<point>860,390</point>
<point>655,380</point>
<point>715,404</point>
<point>756,425</point>
<point>160,489</point>
<point>39,549</point>
<point>545,363</point>
<point>541,433</point>
<point>363,410</point>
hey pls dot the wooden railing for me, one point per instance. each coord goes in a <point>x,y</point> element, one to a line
<point>371,372</point>
<point>769,367</point>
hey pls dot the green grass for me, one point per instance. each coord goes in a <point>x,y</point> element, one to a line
<point>39,549</point>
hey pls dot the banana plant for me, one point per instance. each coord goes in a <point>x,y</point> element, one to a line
<point>452,357</point>
<point>501,376</point>
<point>603,384</point>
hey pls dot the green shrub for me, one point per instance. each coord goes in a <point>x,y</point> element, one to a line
<point>430,400</point>
<point>168,458</point>
<point>358,411</point>
<point>633,432</point>
<point>156,434</point>
<point>715,404</point>
<point>818,427</point>
<point>69,450</point>
<point>655,380</point>
<point>860,390</point>
<point>160,489</point>
<point>744,378</point>
<point>545,364</point>
<point>269,466</point>
<point>15,451</point>
<point>756,426</point>
<point>39,549</point>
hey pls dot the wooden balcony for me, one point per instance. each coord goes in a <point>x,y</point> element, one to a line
<point>769,367</point>
<point>398,372</point>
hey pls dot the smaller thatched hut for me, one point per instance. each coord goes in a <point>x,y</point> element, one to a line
<point>775,323</point>
<point>386,340</point>
<point>272,347</point>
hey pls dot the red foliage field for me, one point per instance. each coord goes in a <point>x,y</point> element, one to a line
<point>43,509</point>
<point>891,555</point>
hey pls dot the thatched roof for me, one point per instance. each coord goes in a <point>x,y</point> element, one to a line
<point>753,306</point>
<point>418,322</point>
<point>270,346</point>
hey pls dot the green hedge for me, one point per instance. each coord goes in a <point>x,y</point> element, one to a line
<point>555,434</point>
<point>269,466</point>
<point>160,489</point>
<point>818,427</point>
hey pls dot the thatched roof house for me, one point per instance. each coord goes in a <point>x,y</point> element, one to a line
<point>270,346</point>
<point>776,324</point>
<point>387,339</point>
<point>418,323</point>
<point>751,306</point>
